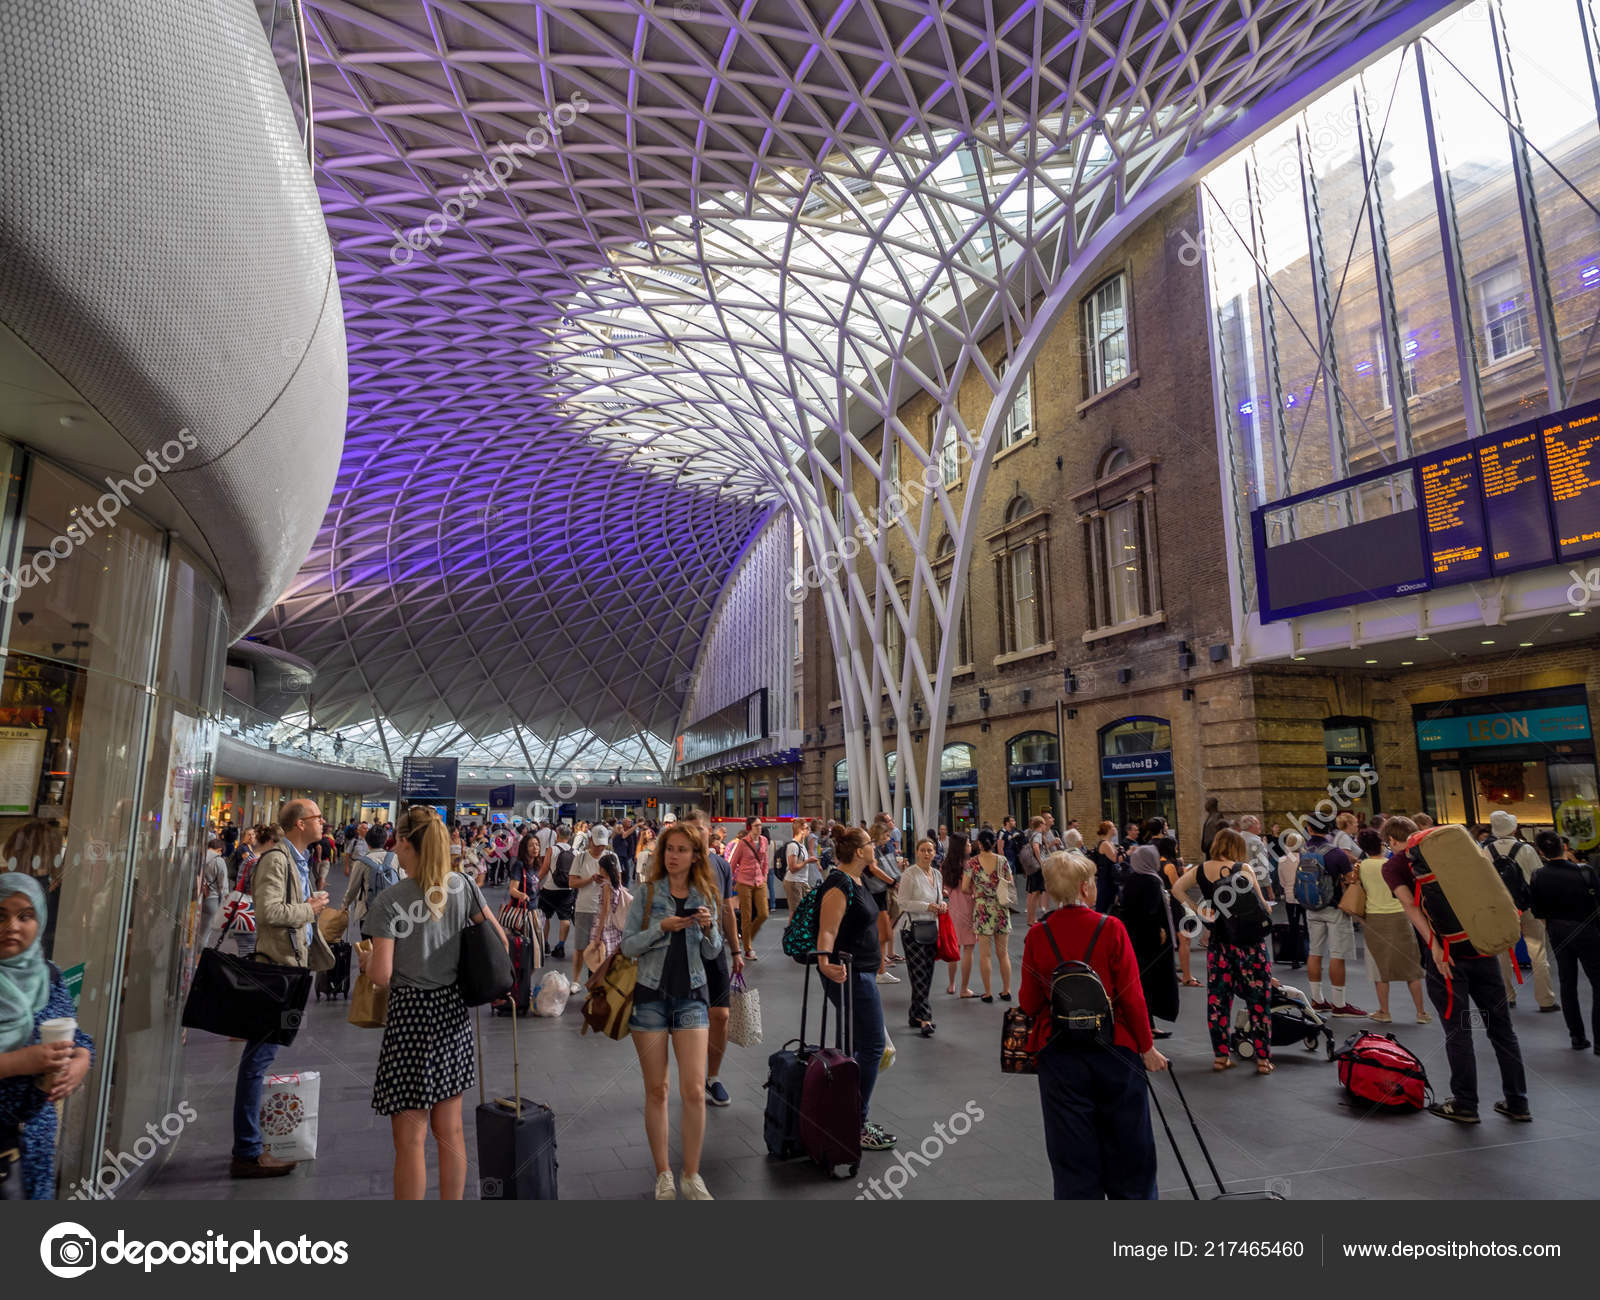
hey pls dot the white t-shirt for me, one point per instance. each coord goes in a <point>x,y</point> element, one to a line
<point>544,837</point>
<point>793,857</point>
<point>588,899</point>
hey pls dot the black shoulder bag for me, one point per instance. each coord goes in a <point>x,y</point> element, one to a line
<point>246,997</point>
<point>485,971</point>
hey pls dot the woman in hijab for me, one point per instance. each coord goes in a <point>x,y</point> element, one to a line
<point>1142,908</point>
<point>33,1075</point>
<point>37,848</point>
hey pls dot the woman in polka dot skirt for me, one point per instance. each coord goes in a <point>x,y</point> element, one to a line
<point>1237,965</point>
<point>426,1061</point>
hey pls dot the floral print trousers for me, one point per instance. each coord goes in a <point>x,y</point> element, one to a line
<point>1244,973</point>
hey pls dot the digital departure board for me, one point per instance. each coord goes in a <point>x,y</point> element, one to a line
<point>1572,454</point>
<point>1517,499</point>
<point>1458,542</point>
<point>1516,494</point>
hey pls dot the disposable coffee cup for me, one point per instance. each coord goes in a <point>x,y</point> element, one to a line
<point>60,1030</point>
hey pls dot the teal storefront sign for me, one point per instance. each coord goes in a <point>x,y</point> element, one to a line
<point>1516,727</point>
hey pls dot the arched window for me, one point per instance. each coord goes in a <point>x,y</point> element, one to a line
<point>1112,460</point>
<point>1021,577</point>
<point>957,760</point>
<point>1032,747</point>
<point>1136,735</point>
<point>1118,515</point>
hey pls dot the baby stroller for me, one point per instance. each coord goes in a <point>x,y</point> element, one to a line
<point>1293,1021</point>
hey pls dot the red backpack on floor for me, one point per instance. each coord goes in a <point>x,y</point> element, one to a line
<point>1376,1069</point>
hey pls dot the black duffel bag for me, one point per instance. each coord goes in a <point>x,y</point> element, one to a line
<point>247,997</point>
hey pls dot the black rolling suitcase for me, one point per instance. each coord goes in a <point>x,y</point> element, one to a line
<point>786,1081</point>
<point>335,981</point>
<point>516,1140</point>
<point>1223,1194</point>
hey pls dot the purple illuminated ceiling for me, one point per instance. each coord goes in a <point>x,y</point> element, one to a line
<point>619,279</point>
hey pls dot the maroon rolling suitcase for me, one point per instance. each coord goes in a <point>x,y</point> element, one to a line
<point>830,1099</point>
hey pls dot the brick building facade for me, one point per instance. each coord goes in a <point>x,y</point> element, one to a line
<point>1155,713</point>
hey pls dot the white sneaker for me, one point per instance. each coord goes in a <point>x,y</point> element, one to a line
<point>665,1191</point>
<point>694,1188</point>
<point>576,988</point>
<point>884,977</point>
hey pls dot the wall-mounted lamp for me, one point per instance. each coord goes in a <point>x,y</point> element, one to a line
<point>1188,692</point>
<point>1059,462</point>
<point>950,713</point>
<point>1185,656</point>
<point>1124,676</point>
<point>1071,681</point>
<point>1027,694</point>
<point>983,699</point>
<point>1072,715</point>
<point>916,712</point>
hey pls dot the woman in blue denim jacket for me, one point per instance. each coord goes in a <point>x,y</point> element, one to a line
<point>672,932</point>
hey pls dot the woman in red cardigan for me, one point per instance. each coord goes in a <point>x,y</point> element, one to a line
<point>1096,1110</point>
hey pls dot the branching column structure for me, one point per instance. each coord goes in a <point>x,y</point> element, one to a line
<point>646,270</point>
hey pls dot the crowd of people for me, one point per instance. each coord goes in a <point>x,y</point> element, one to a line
<point>687,901</point>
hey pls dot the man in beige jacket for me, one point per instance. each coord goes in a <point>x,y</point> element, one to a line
<point>286,910</point>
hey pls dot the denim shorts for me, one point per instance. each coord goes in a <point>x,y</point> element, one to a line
<point>668,1013</point>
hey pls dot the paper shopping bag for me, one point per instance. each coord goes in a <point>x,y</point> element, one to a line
<point>289,1115</point>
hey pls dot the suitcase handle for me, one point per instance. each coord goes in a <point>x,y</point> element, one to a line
<point>810,960</point>
<point>845,1030</point>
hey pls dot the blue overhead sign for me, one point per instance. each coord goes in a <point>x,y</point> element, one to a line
<point>1130,767</point>
<point>429,780</point>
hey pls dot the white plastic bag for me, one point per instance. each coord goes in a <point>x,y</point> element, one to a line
<point>744,1014</point>
<point>554,990</point>
<point>289,1115</point>
<point>888,1052</point>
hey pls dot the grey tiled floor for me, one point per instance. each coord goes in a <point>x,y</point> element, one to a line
<point>1290,1128</point>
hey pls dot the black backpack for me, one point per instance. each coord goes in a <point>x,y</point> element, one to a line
<point>1510,873</point>
<point>1080,1009</point>
<point>561,872</point>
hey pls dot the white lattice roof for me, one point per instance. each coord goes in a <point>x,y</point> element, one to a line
<point>759,230</point>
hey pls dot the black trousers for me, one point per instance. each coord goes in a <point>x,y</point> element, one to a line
<point>1097,1125</point>
<point>1476,982</point>
<point>920,961</point>
<point>1575,944</point>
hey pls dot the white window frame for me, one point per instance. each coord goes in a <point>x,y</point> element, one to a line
<point>1019,419</point>
<point>1095,341</point>
<point>1380,360</point>
<point>948,455</point>
<point>1105,603</point>
<point>1025,619</point>
<point>1489,317</point>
